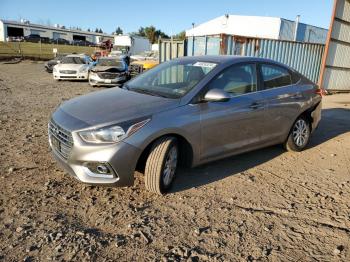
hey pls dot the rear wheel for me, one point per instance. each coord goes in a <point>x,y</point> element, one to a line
<point>161,165</point>
<point>299,135</point>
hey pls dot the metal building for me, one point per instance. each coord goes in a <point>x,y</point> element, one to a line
<point>14,29</point>
<point>335,72</point>
<point>260,27</point>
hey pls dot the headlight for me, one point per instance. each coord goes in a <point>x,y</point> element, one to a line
<point>111,134</point>
<point>55,70</point>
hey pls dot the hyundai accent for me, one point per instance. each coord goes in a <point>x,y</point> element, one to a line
<point>187,111</point>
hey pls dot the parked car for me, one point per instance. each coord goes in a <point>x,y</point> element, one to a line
<point>138,67</point>
<point>109,71</point>
<point>187,111</point>
<point>14,38</point>
<point>35,38</point>
<point>51,63</point>
<point>73,67</point>
<point>147,55</point>
<point>82,43</point>
<point>60,41</point>
<point>121,55</point>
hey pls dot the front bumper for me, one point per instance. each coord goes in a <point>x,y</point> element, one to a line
<point>94,79</point>
<point>121,158</point>
<point>77,76</point>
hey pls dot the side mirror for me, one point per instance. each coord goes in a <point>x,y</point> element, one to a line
<point>58,62</point>
<point>217,95</point>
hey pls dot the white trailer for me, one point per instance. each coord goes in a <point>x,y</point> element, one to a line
<point>131,45</point>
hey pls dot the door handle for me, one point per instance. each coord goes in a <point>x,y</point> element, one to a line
<point>255,105</point>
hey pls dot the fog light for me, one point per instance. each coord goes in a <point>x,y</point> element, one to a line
<point>102,169</point>
<point>99,168</point>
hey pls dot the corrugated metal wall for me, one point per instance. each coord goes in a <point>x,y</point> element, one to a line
<point>304,57</point>
<point>306,33</point>
<point>169,49</point>
<point>335,73</point>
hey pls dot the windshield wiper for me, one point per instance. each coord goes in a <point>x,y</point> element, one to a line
<point>147,92</point>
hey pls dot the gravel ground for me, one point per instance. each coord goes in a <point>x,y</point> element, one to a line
<point>267,205</point>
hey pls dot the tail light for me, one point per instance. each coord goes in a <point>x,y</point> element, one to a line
<point>321,92</point>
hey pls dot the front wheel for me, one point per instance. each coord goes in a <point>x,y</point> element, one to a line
<point>299,135</point>
<point>161,165</point>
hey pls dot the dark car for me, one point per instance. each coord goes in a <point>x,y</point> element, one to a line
<point>82,43</point>
<point>35,38</point>
<point>60,41</point>
<point>189,111</point>
<point>51,63</point>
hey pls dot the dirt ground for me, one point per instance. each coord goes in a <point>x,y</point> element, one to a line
<point>267,205</point>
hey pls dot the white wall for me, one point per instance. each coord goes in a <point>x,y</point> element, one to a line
<point>249,26</point>
<point>48,32</point>
<point>2,31</point>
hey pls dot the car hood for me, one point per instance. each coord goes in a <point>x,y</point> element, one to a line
<point>76,67</point>
<point>107,68</point>
<point>110,106</point>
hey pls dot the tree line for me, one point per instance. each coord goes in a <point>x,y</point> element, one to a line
<point>150,32</point>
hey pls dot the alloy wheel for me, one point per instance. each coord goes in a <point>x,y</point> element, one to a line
<point>300,133</point>
<point>170,166</point>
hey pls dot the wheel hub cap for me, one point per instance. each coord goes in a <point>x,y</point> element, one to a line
<point>300,133</point>
<point>170,166</point>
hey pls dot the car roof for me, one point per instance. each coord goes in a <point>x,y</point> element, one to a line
<point>222,59</point>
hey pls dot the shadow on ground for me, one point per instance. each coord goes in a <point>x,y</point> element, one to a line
<point>335,122</point>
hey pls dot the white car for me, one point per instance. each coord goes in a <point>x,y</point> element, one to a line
<point>73,67</point>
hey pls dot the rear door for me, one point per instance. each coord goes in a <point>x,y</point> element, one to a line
<point>283,101</point>
<point>235,125</point>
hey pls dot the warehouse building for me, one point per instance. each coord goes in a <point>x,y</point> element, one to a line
<point>260,27</point>
<point>335,71</point>
<point>14,29</point>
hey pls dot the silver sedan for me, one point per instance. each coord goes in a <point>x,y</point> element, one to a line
<point>187,111</point>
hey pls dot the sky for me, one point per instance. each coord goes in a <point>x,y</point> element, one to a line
<point>171,17</point>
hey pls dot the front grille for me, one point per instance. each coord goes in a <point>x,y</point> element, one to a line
<point>68,77</point>
<point>106,75</point>
<point>61,139</point>
<point>68,72</point>
<point>135,69</point>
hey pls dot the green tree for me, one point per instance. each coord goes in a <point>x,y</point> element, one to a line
<point>151,33</point>
<point>180,36</point>
<point>141,32</point>
<point>119,31</point>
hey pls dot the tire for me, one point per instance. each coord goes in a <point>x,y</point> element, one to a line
<point>161,164</point>
<point>299,135</point>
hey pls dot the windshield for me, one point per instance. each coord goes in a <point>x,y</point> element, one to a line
<point>172,79</point>
<point>111,62</point>
<point>121,49</point>
<point>72,60</point>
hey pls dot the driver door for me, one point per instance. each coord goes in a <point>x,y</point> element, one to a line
<point>235,125</point>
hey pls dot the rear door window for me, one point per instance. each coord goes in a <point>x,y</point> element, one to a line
<point>236,80</point>
<point>275,76</point>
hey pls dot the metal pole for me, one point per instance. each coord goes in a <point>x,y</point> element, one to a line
<point>40,50</point>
